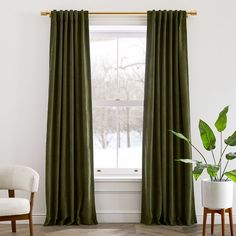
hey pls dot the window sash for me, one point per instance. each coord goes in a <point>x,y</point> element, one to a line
<point>117,172</point>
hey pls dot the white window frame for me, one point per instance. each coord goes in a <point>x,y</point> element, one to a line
<point>120,32</point>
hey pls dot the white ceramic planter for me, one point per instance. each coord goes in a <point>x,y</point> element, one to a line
<point>217,195</point>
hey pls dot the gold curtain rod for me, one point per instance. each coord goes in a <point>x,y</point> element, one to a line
<point>189,13</point>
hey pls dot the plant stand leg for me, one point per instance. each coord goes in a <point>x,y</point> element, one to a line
<point>230,210</point>
<point>212,222</point>
<point>13,226</point>
<point>204,222</point>
<point>222,212</point>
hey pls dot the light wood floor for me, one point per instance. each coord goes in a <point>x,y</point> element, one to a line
<point>111,230</point>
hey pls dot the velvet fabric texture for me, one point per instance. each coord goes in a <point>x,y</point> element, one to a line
<point>69,155</point>
<point>167,186</point>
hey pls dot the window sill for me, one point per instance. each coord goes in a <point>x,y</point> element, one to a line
<point>118,179</point>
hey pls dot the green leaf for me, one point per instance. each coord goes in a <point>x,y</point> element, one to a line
<point>231,156</point>
<point>207,136</point>
<point>212,170</point>
<point>221,122</point>
<point>181,136</point>
<point>198,170</point>
<point>231,175</point>
<point>188,161</point>
<point>231,140</point>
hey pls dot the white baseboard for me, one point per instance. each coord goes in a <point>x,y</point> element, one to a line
<point>39,219</point>
<point>103,217</point>
<point>125,217</point>
<point>118,217</point>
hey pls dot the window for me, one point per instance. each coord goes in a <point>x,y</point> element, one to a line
<point>118,66</point>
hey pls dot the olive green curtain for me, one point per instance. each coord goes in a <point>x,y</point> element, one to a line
<point>69,154</point>
<point>167,188</point>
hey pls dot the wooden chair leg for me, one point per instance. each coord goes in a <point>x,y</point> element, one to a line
<point>223,221</point>
<point>204,221</point>
<point>231,221</point>
<point>11,194</point>
<point>13,226</point>
<point>212,222</point>
<point>30,224</point>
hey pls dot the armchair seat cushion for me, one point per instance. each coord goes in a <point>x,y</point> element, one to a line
<point>14,206</point>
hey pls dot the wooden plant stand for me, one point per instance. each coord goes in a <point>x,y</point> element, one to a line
<point>222,213</point>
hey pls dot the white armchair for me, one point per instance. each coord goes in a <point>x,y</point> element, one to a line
<point>14,177</point>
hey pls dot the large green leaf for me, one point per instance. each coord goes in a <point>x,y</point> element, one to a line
<point>221,121</point>
<point>188,161</point>
<point>198,169</point>
<point>231,156</point>
<point>231,175</point>
<point>181,136</point>
<point>231,140</point>
<point>212,170</point>
<point>207,136</point>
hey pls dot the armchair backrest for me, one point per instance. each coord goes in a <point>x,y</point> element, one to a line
<point>18,177</point>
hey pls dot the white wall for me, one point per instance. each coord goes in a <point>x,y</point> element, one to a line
<point>24,46</point>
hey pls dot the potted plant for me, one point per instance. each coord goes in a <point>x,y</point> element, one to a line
<point>217,191</point>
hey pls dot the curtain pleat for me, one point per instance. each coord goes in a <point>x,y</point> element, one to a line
<point>167,187</point>
<point>69,153</point>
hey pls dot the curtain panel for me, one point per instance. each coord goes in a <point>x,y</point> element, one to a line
<point>167,187</point>
<point>69,153</point>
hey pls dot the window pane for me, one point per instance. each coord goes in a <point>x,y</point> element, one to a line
<point>105,137</point>
<point>131,68</point>
<point>104,69</point>
<point>130,137</point>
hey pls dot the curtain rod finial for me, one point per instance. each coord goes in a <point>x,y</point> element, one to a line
<point>45,13</point>
<point>192,12</point>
